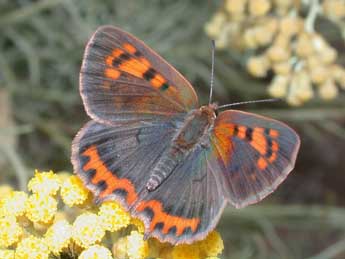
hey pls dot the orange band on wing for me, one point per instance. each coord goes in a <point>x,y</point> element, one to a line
<point>103,174</point>
<point>169,221</point>
<point>131,61</point>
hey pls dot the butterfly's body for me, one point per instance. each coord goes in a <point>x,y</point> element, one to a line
<point>168,162</point>
<point>194,130</point>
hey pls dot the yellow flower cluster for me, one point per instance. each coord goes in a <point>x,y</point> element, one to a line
<point>39,225</point>
<point>278,37</point>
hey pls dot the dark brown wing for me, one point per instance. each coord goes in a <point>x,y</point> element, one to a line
<point>255,154</point>
<point>123,80</point>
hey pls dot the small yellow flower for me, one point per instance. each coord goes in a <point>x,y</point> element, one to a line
<point>328,90</point>
<point>41,208</point>
<point>278,53</point>
<point>138,224</point>
<point>113,216</point>
<point>186,252</point>
<point>73,191</point>
<point>5,190</point>
<point>10,231</point>
<point>290,26</point>
<point>6,254</point>
<point>213,244</point>
<point>303,45</point>
<point>335,9</point>
<point>259,7</point>
<point>282,68</point>
<point>215,26</point>
<point>96,252</point>
<point>258,66</point>
<point>137,247</point>
<point>235,7</point>
<point>32,248</point>
<point>45,183</point>
<point>14,204</point>
<point>87,229</point>
<point>58,236</point>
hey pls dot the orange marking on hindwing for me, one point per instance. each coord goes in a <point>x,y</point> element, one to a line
<point>259,141</point>
<point>103,174</point>
<point>275,146</point>
<point>262,163</point>
<point>274,133</point>
<point>223,133</point>
<point>169,220</point>
<point>130,48</point>
<point>272,158</point>
<point>112,73</point>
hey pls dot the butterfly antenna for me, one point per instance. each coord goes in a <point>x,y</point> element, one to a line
<point>212,71</point>
<point>247,102</point>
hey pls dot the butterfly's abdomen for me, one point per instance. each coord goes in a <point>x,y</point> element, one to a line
<point>161,171</point>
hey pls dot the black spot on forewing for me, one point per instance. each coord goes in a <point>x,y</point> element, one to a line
<point>149,74</point>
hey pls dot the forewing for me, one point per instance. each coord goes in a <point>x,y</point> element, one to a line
<point>187,205</point>
<point>255,154</point>
<point>114,162</point>
<point>122,79</point>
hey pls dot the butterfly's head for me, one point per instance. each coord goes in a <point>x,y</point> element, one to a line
<point>209,110</point>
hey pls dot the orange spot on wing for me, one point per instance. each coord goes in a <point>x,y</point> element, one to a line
<point>259,141</point>
<point>274,133</point>
<point>169,221</point>
<point>275,146</point>
<point>117,52</point>
<point>157,81</point>
<point>109,60</point>
<point>262,163</point>
<point>242,132</point>
<point>273,157</point>
<point>103,174</point>
<point>130,48</point>
<point>112,73</point>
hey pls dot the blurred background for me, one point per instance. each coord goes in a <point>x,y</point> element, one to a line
<point>292,49</point>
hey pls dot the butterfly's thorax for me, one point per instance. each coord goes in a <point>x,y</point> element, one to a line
<point>193,131</point>
<point>194,128</point>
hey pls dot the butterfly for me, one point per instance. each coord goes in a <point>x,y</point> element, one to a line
<point>168,161</point>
